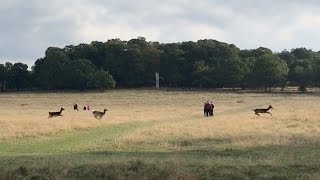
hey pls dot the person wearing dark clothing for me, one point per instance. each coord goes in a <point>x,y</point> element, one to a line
<point>212,107</point>
<point>206,108</point>
<point>75,107</point>
<point>84,108</point>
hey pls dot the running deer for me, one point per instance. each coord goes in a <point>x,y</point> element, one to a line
<point>257,111</point>
<point>55,114</point>
<point>99,114</point>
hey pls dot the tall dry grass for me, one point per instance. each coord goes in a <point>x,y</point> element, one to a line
<point>174,116</point>
<point>295,121</point>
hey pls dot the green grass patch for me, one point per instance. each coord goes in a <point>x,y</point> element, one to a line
<point>91,154</point>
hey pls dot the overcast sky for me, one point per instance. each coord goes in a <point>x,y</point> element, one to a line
<point>29,27</point>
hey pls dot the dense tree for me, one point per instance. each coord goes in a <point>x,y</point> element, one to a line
<point>205,63</point>
<point>202,73</point>
<point>233,72</point>
<point>302,53</point>
<point>172,63</point>
<point>269,71</point>
<point>14,76</point>
<point>3,74</point>
<point>78,74</point>
<point>301,73</point>
<point>287,56</point>
<point>103,80</point>
<point>19,77</point>
<point>48,71</point>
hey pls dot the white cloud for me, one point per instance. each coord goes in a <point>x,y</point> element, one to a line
<point>28,28</point>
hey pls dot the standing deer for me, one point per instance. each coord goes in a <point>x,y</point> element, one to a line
<point>99,114</point>
<point>55,114</point>
<point>257,111</point>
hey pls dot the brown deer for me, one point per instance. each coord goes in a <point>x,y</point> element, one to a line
<point>55,114</point>
<point>257,111</point>
<point>99,114</point>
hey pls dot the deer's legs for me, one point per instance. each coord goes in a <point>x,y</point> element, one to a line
<point>269,113</point>
<point>257,114</point>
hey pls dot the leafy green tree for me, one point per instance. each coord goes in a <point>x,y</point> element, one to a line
<point>233,72</point>
<point>3,75</point>
<point>7,81</point>
<point>304,68</point>
<point>201,73</point>
<point>8,66</point>
<point>248,79</point>
<point>103,80</point>
<point>261,51</point>
<point>302,53</point>
<point>49,71</point>
<point>172,65</point>
<point>152,56</point>
<point>269,71</point>
<point>287,56</point>
<point>99,54</point>
<point>116,60</point>
<point>207,62</point>
<point>316,68</point>
<point>19,76</point>
<point>81,51</point>
<point>136,64</point>
<point>78,73</point>
<point>301,73</point>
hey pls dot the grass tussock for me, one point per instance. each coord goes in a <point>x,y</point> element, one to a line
<point>128,170</point>
<point>162,171</point>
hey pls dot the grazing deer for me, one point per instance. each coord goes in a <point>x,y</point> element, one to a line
<point>55,114</point>
<point>99,114</point>
<point>257,111</point>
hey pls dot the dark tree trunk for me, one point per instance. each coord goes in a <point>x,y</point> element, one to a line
<point>302,88</point>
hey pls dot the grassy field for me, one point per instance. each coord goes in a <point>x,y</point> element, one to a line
<point>159,135</point>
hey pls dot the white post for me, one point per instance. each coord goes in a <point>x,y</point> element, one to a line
<point>157,80</point>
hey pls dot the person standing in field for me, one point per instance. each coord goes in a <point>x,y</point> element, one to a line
<point>75,107</point>
<point>206,108</point>
<point>212,107</point>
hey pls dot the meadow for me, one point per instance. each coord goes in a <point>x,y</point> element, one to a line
<point>150,134</point>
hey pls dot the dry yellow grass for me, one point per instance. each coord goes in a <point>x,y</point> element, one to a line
<point>153,133</point>
<point>176,115</point>
<point>295,120</point>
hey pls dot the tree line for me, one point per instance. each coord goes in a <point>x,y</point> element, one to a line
<point>205,64</point>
